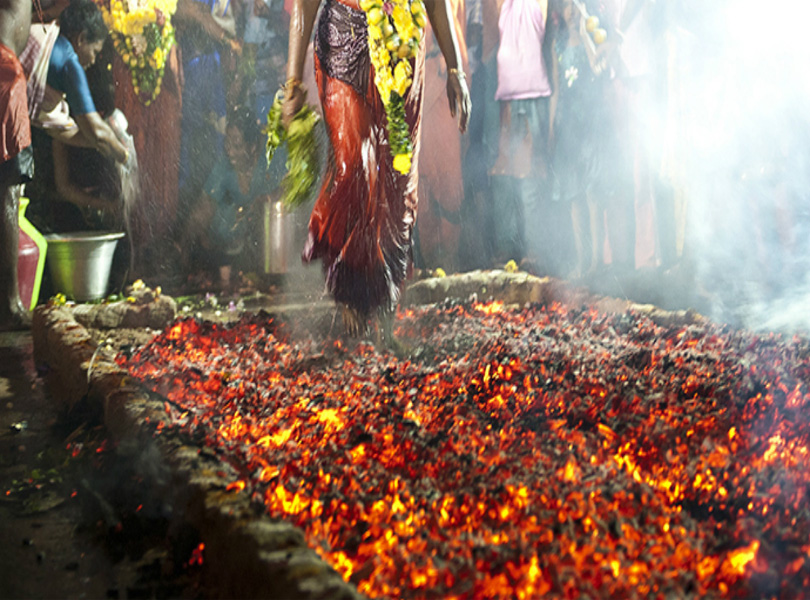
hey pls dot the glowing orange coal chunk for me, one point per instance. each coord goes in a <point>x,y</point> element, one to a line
<point>738,560</point>
<point>330,418</point>
<point>707,567</point>
<point>489,308</point>
<point>572,471</point>
<point>236,486</point>
<point>341,563</point>
<point>268,473</point>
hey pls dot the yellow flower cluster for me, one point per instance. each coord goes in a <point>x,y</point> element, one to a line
<point>134,57</point>
<point>129,18</point>
<point>402,162</point>
<point>143,36</point>
<point>395,30</point>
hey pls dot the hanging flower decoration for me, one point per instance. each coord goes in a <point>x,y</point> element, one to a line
<point>395,30</point>
<point>143,35</point>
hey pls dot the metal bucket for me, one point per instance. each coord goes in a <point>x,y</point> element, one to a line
<point>80,262</point>
<point>278,233</point>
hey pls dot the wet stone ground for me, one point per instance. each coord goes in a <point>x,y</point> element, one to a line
<point>74,519</point>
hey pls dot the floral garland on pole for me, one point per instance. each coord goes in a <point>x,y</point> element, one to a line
<point>143,36</point>
<point>395,30</point>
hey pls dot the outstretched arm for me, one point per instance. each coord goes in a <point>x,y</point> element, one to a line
<point>101,136</point>
<point>301,22</point>
<point>458,95</point>
<point>92,132</point>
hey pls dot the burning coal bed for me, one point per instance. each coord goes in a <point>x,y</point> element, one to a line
<point>517,453</point>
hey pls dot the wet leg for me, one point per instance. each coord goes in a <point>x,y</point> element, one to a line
<point>13,315</point>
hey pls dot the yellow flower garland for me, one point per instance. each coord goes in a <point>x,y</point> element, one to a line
<point>143,36</point>
<point>395,30</point>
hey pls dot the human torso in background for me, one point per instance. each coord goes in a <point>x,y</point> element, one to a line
<point>266,33</point>
<point>522,72</point>
<point>580,121</point>
<point>638,38</point>
<point>579,87</point>
<point>87,168</point>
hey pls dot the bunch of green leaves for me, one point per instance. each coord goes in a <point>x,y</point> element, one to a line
<point>399,137</point>
<point>302,151</point>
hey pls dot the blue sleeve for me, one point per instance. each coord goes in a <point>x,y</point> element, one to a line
<point>66,75</point>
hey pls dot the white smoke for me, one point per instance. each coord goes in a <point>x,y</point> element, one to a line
<point>746,98</point>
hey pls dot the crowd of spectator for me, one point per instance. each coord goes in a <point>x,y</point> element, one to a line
<point>572,165</point>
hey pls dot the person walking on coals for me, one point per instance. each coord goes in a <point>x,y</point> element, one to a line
<point>361,226</point>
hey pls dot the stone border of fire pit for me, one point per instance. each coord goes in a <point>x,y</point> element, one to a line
<point>248,554</point>
<point>518,289</point>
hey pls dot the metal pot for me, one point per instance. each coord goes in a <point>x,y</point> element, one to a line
<point>80,263</point>
<point>277,240</point>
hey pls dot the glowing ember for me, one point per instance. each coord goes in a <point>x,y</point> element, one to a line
<point>520,453</point>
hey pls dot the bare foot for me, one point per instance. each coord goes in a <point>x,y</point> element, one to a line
<point>354,324</point>
<point>385,338</point>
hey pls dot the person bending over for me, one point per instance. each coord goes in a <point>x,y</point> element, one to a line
<point>59,98</point>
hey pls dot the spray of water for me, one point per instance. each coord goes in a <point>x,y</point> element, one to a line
<point>128,175</point>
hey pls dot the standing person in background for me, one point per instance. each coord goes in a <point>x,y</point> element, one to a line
<point>476,243</point>
<point>521,200</point>
<point>156,135</point>
<point>441,186</point>
<point>577,133</point>
<point>641,215</point>
<point>51,9</point>
<point>204,28</point>
<point>264,54</point>
<point>361,226</point>
<point>16,159</point>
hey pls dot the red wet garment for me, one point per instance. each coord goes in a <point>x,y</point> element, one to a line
<point>15,128</point>
<point>361,226</point>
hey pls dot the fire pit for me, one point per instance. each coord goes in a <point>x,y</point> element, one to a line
<point>518,452</point>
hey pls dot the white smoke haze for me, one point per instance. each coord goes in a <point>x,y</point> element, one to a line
<point>742,135</point>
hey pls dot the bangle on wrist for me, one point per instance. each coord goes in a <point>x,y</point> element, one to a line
<point>292,84</point>
<point>458,73</point>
